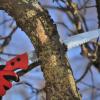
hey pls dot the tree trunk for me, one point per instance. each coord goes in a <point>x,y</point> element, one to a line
<point>35,21</point>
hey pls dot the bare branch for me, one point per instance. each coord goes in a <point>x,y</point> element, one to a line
<point>7,39</point>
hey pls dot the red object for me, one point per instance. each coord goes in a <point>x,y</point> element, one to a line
<point>4,83</point>
<point>19,62</point>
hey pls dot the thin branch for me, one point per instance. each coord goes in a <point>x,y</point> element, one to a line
<point>86,71</point>
<point>66,27</point>
<point>92,79</point>
<point>7,39</point>
<point>84,5</point>
<point>5,21</point>
<point>33,65</point>
<point>8,54</point>
<point>90,86</point>
<point>88,7</point>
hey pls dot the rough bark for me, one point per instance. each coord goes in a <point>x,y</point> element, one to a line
<point>35,21</point>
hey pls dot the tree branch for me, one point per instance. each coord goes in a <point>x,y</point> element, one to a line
<point>35,21</point>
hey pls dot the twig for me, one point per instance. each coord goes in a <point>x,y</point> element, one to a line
<point>90,86</point>
<point>5,21</point>
<point>33,65</point>
<point>8,54</point>
<point>86,71</point>
<point>84,5</point>
<point>66,27</point>
<point>92,79</point>
<point>7,39</point>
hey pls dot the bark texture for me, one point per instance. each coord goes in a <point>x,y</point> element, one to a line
<point>35,21</point>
